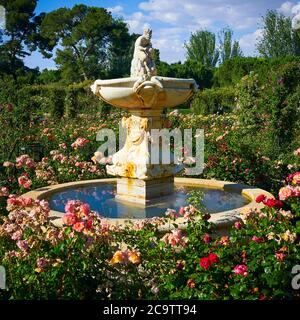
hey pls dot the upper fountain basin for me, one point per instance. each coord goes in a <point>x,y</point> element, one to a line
<point>135,93</point>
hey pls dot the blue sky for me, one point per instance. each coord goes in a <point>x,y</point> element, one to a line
<point>173,21</point>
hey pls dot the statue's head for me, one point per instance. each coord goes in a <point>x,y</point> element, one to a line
<point>147,32</point>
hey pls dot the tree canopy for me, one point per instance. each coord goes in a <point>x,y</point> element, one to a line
<point>203,47</point>
<point>19,37</point>
<point>86,37</point>
<point>278,37</point>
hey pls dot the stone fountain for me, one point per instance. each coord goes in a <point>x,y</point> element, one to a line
<point>145,95</point>
<point>145,187</point>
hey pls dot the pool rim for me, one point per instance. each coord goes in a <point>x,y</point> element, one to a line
<point>222,220</point>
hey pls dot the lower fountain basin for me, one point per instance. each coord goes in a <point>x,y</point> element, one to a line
<point>223,200</point>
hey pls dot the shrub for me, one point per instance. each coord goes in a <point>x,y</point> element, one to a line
<point>232,70</point>
<point>271,109</point>
<point>217,100</point>
<point>71,103</point>
<point>56,98</point>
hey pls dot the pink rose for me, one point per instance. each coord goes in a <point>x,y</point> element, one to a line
<point>27,202</point>
<point>285,193</point>
<point>241,269</point>
<point>296,178</point>
<point>41,262</point>
<point>78,226</point>
<point>70,206</point>
<point>257,239</point>
<point>69,219</point>
<point>297,152</point>
<point>23,245</point>
<point>237,225</point>
<point>17,235</point>
<point>181,211</point>
<point>85,209</point>
<point>280,256</point>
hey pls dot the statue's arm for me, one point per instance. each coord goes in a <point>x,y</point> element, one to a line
<point>139,44</point>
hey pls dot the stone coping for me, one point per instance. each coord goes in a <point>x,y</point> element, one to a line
<point>222,220</point>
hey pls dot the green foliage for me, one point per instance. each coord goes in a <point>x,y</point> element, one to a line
<point>217,100</point>
<point>278,37</point>
<point>273,105</point>
<point>49,76</point>
<point>56,98</point>
<point>233,70</point>
<point>19,36</point>
<point>87,35</point>
<point>228,48</point>
<point>71,103</point>
<point>202,48</point>
<point>284,102</point>
<point>189,69</point>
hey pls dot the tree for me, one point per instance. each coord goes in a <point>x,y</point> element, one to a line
<point>202,48</point>
<point>120,53</point>
<point>278,37</point>
<point>84,35</point>
<point>18,39</point>
<point>228,48</point>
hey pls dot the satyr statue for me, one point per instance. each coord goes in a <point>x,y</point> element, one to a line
<point>142,64</point>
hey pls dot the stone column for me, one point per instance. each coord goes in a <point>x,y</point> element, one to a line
<point>140,181</point>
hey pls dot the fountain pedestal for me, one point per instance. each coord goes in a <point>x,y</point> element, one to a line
<point>142,180</point>
<point>144,191</point>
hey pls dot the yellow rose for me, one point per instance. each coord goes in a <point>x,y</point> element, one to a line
<point>134,257</point>
<point>118,257</point>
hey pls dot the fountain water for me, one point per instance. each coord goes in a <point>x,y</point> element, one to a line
<point>144,95</point>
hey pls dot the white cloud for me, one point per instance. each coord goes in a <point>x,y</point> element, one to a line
<point>293,10</point>
<point>286,8</point>
<point>296,8</point>
<point>116,9</point>
<point>237,14</point>
<point>248,41</point>
<point>137,22</point>
<point>174,21</point>
<point>289,8</point>
<point>296,21</point>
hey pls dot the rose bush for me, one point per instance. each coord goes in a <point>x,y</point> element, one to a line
<point>90,258</point>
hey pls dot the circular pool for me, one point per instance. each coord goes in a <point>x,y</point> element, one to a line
<point>222,199</point>
<point>101,199</point>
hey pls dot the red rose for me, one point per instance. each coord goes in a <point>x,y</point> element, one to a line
<point>260,198</point>
<point>205,263</point>
<point>207,238</point>
<point>273,203</point>
<point>89,223</point>
<point>213,258</point>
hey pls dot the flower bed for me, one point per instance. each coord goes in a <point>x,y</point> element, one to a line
<point>90,258</point>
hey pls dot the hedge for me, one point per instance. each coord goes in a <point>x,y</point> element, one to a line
<point>216,100</point>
